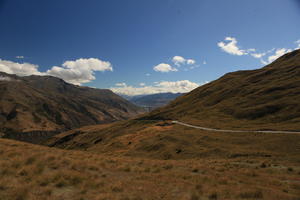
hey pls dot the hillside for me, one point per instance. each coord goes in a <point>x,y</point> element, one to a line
<point>47,104</point>
<point>263,99</point>
<point>154,100</point>
<point>266,98</point>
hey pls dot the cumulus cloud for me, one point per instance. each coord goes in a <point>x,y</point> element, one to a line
<point>190,61</point>
<point>298,44</point>
<point>163,67</point>
<point>277,54</point>
<point>264,57</point>
<point>80,71</point>
<point>20,57</point>
<point>230,46</point>
<point>20,69</point>
<point>76,72</point>
<point>258,55</point>
<point>179,60</point>
<point>182,86</point>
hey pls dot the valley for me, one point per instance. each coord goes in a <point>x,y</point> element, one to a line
<point>216,142</point>
<point>150,100</point>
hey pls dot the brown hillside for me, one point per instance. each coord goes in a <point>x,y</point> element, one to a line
<point>44,103</point>
<point>266,98</point>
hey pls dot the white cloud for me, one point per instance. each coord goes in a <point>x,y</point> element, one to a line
<point>182,86</point>
<point>258,55</point>
<point>121,84</point>
<point>20,57</point>
<point>190,61</point>
<point>278,53</point>
<point>204,62</point>
<point>21,69</point>
<point>178,60</point>
<point>142,84</point>
<point>231,47</point>
<point>163,67</point>
<point>298,44</point>
<point>264,57</point>
<point>76,72</point>
<point>80,71</point>
<point>148,74</point>
<point>264,62</point>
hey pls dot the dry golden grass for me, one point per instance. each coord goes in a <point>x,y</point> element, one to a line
<point>35,172</point>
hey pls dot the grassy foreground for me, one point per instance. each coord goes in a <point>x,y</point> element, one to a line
<point>36,172</point>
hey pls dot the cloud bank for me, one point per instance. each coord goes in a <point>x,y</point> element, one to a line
<point>80,71</point>
<point>182,86</point>
<point>21,69</point>
<point>76,72</point>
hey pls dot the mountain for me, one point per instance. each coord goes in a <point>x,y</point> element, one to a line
<point>266,98</point>
<point>154,100</point>
<point>262,99</point>
<point>49,104</point>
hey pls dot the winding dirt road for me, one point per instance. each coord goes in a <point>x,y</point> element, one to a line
<point>231,131</point>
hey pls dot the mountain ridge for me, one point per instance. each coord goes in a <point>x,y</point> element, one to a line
<point>46,103</point>
<point>154,100</point>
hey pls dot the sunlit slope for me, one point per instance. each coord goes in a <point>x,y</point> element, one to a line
<point>266,98</point>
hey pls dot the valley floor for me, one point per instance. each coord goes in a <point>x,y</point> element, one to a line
<point>30,171</point>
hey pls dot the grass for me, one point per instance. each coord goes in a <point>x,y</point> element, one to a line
<point>173,142</point>
<point>36,172</point>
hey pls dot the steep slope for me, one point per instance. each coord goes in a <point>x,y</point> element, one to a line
<point>155,100</point>
<point>263,98</point>
<point>45,103</point>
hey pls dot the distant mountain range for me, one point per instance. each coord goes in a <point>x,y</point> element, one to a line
<point>153,101</point>
<point>45,103</point>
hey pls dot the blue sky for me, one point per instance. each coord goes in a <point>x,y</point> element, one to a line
<point>129,39</point>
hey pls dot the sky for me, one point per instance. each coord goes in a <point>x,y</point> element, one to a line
<point>136,47</point>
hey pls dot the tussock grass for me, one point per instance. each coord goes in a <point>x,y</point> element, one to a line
<point>30,172</point>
